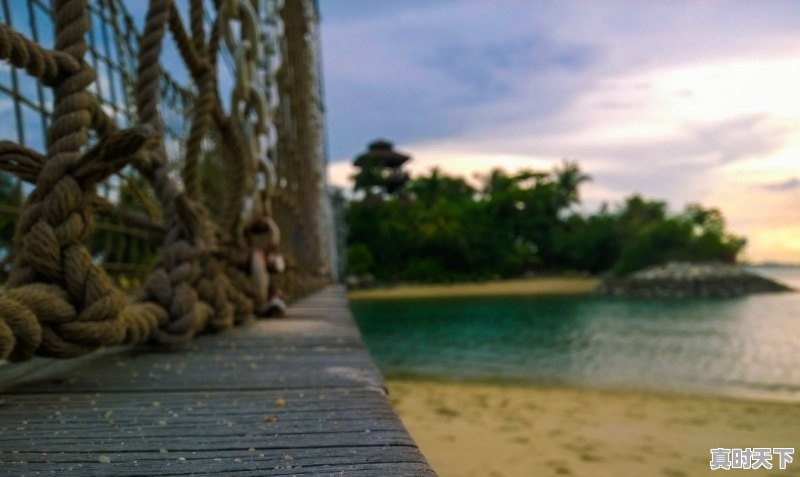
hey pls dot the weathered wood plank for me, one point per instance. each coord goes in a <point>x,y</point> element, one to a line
<point>293,396</point>
<point>215,370</point>
<point>190,467</point>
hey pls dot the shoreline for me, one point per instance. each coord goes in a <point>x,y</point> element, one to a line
<point>539,286</point>
<point>737,395</point>
<point>467,429</point>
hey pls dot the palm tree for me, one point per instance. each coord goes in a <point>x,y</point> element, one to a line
<point>437,186</point>
<point>497,183</point>
<point>427,189</point>
<point>568,179</point>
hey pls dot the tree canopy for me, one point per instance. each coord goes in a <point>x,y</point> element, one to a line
<point>441,228</point>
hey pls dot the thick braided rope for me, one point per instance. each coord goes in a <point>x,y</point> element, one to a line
<point>170,290</point>
<point>230,306</point>
<point>184,268</point>
<point>214,35</point>
<point>196,21</point>
<point>193,56</point>
<point>241,293</point>
<point>19,160</point>
<point>214,285</point>
<point>148,71</point>
<point>236,168</point>
<point>236,285</point>
<point>203,71</point>
<point>79,309</point>
<point>49,66</point>
<point>39,62</point>
<point>61,222</point>
<point>55,221</point>
<point>101,161</point>
<point>104,317</point>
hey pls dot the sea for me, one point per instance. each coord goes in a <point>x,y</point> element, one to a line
<point>745,347</point>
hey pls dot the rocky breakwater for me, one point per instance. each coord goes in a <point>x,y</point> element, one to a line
<point>683,279</point>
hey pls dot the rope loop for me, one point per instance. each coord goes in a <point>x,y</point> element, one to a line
<point>58,301</point>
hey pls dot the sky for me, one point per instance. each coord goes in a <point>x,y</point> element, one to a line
<point>691,101</point>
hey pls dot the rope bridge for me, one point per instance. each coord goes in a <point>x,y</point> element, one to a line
<point>210,180</point>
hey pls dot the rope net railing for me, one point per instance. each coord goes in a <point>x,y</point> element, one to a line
<point>162,169</point>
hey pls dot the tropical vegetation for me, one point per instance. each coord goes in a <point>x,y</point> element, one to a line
<point>440,228</point>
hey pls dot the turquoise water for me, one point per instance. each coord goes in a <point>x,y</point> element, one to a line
<point>741,346</point>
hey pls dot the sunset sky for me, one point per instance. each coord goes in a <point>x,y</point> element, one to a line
<point>695,101</point>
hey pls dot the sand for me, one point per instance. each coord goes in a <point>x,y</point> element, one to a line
<point>531,286</point>
<point>494,430</point>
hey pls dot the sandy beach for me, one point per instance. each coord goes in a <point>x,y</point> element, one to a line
<point>527,286</point>
<point>496,430</point>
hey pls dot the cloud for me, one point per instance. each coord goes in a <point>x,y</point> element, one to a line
<point>489,70</point>
<point>429,69</point>
<point>782,186</point>
<point>685,101</point>
<point>414,78</point>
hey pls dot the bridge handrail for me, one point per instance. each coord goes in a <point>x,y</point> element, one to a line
<point>58,301</point>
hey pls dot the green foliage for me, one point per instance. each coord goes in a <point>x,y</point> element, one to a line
<point>359,259</point>
<point>592,243</point>
<point>10,199</point>
<point>697,234</point>
<point>443,229</point>
<point>425,270</point>
<point>657,242</point>
<point>10,196</point>
<point>437,187</point>
<point>215,181</point>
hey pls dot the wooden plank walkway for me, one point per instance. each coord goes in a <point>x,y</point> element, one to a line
<point>293,396</point>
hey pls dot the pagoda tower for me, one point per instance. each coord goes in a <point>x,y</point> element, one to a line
<point>380,168</point>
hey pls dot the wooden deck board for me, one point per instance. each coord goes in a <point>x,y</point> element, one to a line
<point>292,396</point>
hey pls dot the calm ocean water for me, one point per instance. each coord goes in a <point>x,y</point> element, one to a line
<point>737,346</point>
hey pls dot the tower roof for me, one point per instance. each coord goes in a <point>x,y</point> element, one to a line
<point>381,151</point>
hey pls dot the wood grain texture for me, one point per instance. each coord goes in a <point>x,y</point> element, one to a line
<point>293,396</point>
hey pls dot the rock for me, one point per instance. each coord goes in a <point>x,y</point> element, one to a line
<point>352,282</point>
<point>685,279</point>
